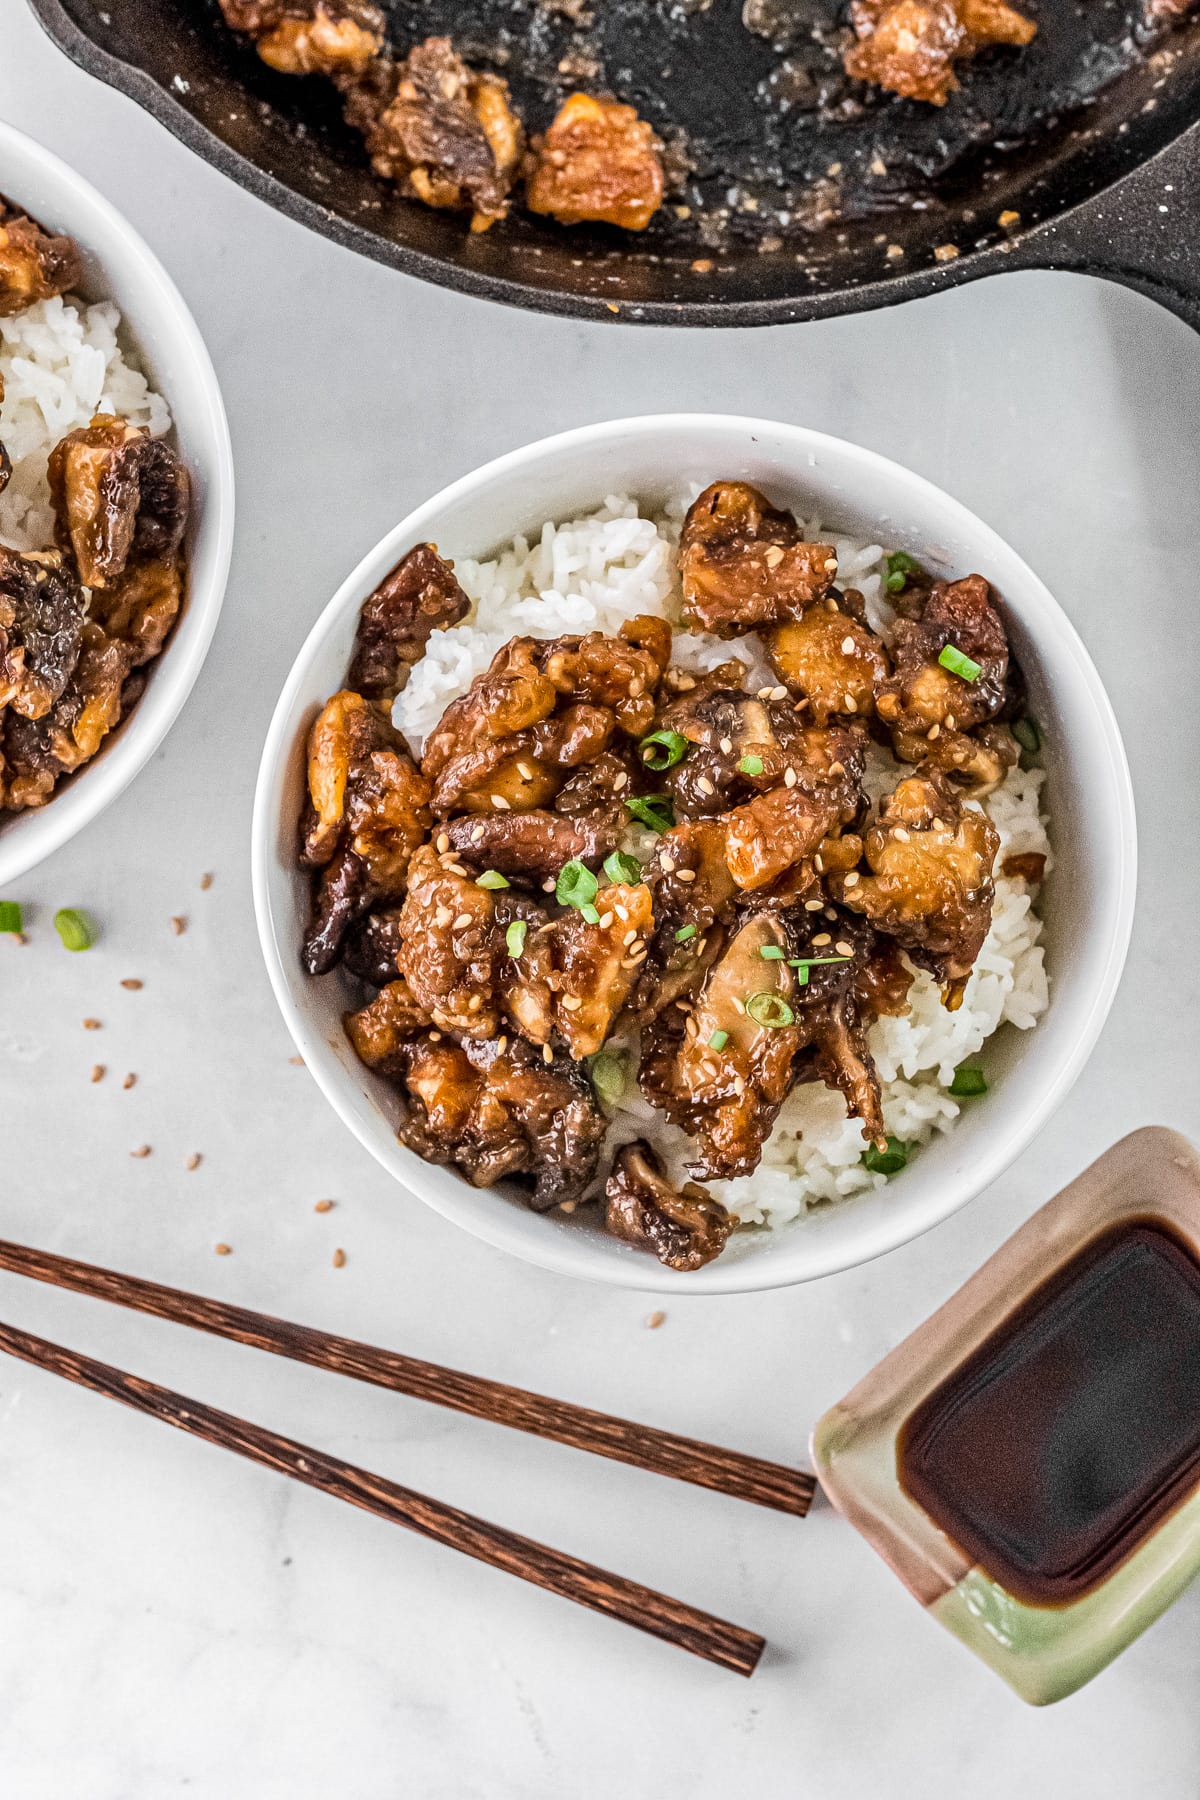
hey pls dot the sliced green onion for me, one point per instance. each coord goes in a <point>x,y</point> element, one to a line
<point>900,566</point>
<point>751,765</point>
<point>968,1082</point>
<point>769,1009</point>
<point>608,1071</point>
<point>886,1162</point>
<point>491,878</point>
<point>684,933</point>
<point>953,659</point>
<point>1027,735</point>
<point>802,964</point>
<point>10,915</point>
<point>619,867</point>
<point>770,952</point>
<point>654,810</point>
<point>663,749</point>
<point>718,1040</point>
<point>576,885</point>
<point>589,914</point>
<point>514,938</point>
<point>74,928</point>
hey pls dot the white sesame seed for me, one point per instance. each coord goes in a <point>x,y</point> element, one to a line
<point>934,729</point>
<point>851,704</point>
<point>851,879</point>
<point>547,1054</point>
<point>629,937</point>
<point>687,874</point>
<point>901,834</point>
<point>619,781</point>
<point>819,864</point>
<point>606,920</point>
<point>443,844</point>
<point>705,785</point>
<point>789,778</point>
<point>847,646</point>
<point>948,721</point>
<point>442,916</point>
<point>765,693</point>
<point>635,687</point>
<point>726,746</point>
<point>500,803</point>
<point>815,905</point>
<point>572,1002</point>
<point>822,937</point>
<point>938,825</point>
<point>461,922</point>
<point>843,948</point>
<point>525,771</point>
<point>777,693</point>
<point>622,912</point>
<point>549,885</point>
<point>667,865</point>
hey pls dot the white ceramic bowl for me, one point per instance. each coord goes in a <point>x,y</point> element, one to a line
<point>118,266</point>
<point>1088,901</point>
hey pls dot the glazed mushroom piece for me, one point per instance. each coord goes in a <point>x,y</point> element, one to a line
<point>368,813</point>
<point>446,133</point>
<point>598,162</point>
<point>930,883</point>
<point>497,1110</point>
<point>310,37</point>
<point>912,47</point>
<point>683,1226</point>
<point>744,563</point>
<point>34,264</point>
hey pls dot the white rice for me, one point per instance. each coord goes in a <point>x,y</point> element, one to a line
<point>592,574</point>
<point>61,362</point>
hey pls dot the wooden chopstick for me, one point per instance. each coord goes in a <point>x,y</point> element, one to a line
<point>672,1620</point>
<point>662,1452</point>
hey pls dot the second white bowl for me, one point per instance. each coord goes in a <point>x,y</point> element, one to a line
<point>1088,903</point>
<point>118,266</point>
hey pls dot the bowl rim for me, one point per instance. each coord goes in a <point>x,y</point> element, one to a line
<point>568,1253</point>
<point>99,783</point>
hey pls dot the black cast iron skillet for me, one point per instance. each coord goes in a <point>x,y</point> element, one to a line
<point>1092,138</point>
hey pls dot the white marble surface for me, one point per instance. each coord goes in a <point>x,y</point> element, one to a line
<point>174,1620</point>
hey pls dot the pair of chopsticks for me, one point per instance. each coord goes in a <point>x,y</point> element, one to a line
<point>661,1452</point>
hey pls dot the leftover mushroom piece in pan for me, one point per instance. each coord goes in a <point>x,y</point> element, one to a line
<point>612,867</point>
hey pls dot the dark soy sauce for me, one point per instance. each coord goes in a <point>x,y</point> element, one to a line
<point>1050,1453</point>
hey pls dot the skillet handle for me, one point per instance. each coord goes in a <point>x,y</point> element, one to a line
<point>1144,232</point>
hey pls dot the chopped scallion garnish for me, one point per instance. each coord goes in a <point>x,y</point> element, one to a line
<point>654,810</point>
<point>769,1009</point>
<point>718,1040</point>
<point>751,765</point>
<point>770,952</point>
<point>74,928</point>
<point>953,659</point>
<point>684,933</point>
<point>1027,735</point>
<point>619,867</point>
<point>810,962</point>
<point>491,878</point>
<point>576,885</point>
<point>968,1082</point>
<point>900,565</point>
<point>10,915</point>
<point>663,749</point>
<point>588,913</point>
<point>886,1162</point>
<point>514,938</point>
<point>608,1070</point>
